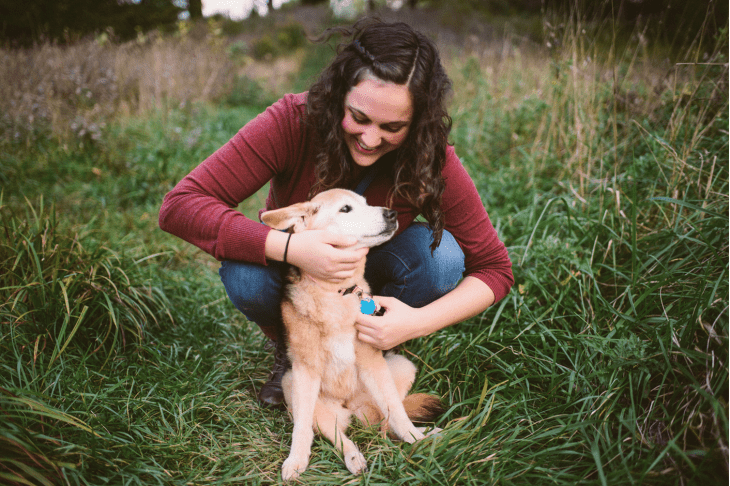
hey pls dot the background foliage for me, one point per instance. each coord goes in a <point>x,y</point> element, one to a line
<point>67,20</point>
<point>33,21</point>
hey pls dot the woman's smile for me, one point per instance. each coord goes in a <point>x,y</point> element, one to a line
<point>366,150</point>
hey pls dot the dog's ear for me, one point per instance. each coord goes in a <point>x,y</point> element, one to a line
<point>292,218</point>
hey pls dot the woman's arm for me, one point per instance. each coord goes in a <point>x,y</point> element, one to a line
<point>485,255</point>
<point>402,322</point>
<point>201,208</point>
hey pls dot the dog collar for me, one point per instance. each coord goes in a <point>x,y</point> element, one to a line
<point>352,290</point>
<point>367,304</point>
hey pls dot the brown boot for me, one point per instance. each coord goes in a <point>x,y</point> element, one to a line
<point>271,393</point>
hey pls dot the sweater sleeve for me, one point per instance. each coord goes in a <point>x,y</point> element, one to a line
<point>201,208</point>
<point>486,257</point>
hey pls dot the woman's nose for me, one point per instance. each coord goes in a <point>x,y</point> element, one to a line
<point>371,137</point>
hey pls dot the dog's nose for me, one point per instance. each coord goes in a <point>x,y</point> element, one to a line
<point>390,215</point>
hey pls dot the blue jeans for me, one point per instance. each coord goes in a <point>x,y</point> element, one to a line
<point>402,268</point>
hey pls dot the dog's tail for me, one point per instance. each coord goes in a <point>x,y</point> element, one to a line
<point>422,407</point>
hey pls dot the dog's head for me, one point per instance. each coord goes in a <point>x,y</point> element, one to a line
<point>337,211</point>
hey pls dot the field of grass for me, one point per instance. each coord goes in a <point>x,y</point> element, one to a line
<point>603,164</point>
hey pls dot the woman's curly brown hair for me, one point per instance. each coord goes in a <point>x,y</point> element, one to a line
<point>396,53</point>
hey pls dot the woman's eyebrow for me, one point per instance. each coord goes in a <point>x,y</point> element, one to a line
<point>357,112</point>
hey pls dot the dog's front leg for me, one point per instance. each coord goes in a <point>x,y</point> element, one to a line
<point>378,380</point>
<point>304,393</point>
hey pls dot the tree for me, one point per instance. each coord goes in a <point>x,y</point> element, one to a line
<point>195,9</point>
<point>23,23</point>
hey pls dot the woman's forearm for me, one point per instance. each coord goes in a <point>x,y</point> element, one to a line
<point>470,298</point>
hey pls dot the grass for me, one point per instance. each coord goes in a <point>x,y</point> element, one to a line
<point>606,173</point>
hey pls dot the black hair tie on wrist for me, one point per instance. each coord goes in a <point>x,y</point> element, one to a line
<point>286,248</point>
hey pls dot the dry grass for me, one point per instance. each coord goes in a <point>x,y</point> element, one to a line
<point>76,89</point>
<point>586,91</point>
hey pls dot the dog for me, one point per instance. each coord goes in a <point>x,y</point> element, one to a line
<point>334,375</point>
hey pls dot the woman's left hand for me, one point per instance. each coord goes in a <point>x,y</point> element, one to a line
<point>399,324</point>
<point>402,322</point>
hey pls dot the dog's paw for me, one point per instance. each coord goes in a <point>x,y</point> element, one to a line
<point>413,435</point>
<point>355,462</point>
<point>430,432</point>
<point>293,467</point>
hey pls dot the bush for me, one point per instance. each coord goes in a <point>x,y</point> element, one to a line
<point>284,40</point>
<point>247,92</point>
<point>264,48</point>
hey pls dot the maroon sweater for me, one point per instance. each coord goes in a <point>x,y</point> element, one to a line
<point>278,146</point>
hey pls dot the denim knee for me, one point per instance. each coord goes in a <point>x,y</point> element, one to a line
<point>405,268</point>
<point>255,290</point>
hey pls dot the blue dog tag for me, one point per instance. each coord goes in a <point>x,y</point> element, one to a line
<point>367,306</point>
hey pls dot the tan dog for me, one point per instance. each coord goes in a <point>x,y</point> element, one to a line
<point>334,375</point>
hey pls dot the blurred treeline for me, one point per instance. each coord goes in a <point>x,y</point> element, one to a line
<point>63,21</point>
<point>33,21</point>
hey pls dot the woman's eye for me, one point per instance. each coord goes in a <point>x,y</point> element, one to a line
<point>346,208</point>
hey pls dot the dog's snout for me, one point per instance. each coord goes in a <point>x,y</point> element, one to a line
<point>390,215</point>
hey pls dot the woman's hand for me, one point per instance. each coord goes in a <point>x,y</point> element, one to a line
<point>324,255</point>
<point>400,323</point>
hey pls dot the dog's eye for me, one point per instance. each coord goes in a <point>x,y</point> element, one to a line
<point>346,208</point>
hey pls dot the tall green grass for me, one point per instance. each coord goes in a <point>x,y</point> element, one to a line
<point>60,288</point>
<point>603,167</point>
<point>609,362</point>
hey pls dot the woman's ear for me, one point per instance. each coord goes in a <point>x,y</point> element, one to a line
<point>292,218</point>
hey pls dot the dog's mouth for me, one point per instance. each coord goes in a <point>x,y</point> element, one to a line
<point>381,237</point>
<point>389,229</point>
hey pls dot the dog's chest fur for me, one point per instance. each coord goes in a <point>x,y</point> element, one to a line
<point>321,334</point>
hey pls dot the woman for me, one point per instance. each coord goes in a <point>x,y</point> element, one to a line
<point>374,122</point>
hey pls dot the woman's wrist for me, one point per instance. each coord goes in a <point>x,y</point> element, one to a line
<point>276,245</point>
<point>286,248</point>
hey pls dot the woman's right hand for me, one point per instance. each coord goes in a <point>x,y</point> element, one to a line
<point>325,255</point>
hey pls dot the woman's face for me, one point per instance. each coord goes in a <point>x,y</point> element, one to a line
<point>377,118</point>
